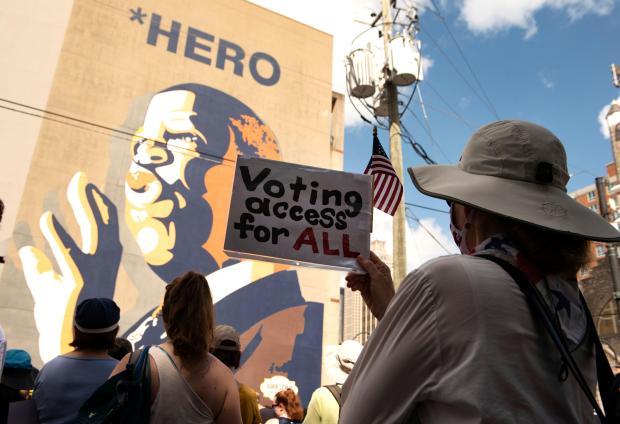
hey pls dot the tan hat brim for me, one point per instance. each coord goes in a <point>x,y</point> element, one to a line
<point>541,205</point>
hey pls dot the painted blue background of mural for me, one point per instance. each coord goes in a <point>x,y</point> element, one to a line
<point>268,296</point>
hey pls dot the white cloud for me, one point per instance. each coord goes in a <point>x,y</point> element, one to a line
<point>602,117</point>
<point>492,16</point>
<point>545,80</point>
<point>421,246</point>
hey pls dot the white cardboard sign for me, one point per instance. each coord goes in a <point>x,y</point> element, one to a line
<point>300,215</point>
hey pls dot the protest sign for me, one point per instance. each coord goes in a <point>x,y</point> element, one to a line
<point>300,215</point>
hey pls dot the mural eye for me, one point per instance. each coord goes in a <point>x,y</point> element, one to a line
<point>183,143</point>
<point>147,151</point>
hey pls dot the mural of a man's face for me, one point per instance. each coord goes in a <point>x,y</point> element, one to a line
<point>157,183</point>
<point>178,185</point>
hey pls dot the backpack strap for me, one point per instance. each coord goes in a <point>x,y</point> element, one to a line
<point>541,311</point>
<point>336,391</point>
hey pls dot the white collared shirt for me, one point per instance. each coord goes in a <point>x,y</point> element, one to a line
<point>458,344</point>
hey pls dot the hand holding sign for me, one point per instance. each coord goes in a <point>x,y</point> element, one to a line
<point>376,287</point>
<point>297,214</point>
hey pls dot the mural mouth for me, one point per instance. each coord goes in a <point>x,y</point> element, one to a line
<point>140,180</point>
<point>142,187</point>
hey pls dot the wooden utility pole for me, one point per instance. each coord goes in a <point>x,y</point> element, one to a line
<point>399,250</point>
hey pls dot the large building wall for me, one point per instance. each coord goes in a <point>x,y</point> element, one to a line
<point>128,183</point>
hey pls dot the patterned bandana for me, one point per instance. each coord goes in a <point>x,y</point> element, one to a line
<point>561,294</point>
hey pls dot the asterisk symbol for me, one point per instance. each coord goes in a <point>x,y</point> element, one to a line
<point>137,15</point>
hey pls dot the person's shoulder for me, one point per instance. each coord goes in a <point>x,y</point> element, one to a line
<point>451,268</point>
<point>51,368</point>
<point>218,370</point>
<point>446,279</point>
<point>443,263</point>
<point>323,391</point>
<point>54,363</point>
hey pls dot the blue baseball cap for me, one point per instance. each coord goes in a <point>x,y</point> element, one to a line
<point>97,315</point>
<point>17,359</point>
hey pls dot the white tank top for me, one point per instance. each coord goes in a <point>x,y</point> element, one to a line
<point>176,401</point>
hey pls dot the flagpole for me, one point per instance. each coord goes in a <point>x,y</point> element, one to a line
<point>399,249</point>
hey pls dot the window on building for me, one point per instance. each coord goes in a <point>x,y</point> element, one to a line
<point>591,196</point>
<point>600,251</point>
<point>594,208</point>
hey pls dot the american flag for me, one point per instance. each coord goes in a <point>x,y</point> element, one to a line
<point>387,189</point>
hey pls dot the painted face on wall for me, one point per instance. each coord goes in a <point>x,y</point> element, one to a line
<point>156,185</point>
<point>178,185</point>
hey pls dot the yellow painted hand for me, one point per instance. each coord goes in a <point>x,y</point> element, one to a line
<point>88,270</point>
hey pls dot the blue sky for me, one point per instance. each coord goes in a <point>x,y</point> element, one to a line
<point>544,61</point>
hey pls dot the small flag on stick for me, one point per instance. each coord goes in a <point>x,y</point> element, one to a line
<point>387,189</point>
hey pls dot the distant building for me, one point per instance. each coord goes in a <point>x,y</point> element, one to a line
<point>588,197</point>
<point>595,278</point>
<point>358,321</point>
<point>129,185</point>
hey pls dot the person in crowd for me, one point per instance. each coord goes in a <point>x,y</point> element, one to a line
<point>68,380</point>
<point>324,406</point>
<point>458,342</point>
<point>266,411</point>
<point>18,378</point>
<point>189,385</point>
<point>121,348</point>
<point>287,407</point>
<point>227,348</point>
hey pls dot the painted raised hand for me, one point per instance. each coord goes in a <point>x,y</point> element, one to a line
<point>86,270</point>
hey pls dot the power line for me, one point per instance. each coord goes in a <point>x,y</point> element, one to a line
<point>455,114</point>
<point>425,207</point>
<point>458,46</point>
<point>115,132</point>
<point>416,219</point>
<point>459,73</point>
<point>60,122</point>
<point>430,135</point>
<point>415,86</point>
<point>427,127</point>
<point>417,147</point>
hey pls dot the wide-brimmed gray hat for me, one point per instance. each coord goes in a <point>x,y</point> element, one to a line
<point>518,170</point>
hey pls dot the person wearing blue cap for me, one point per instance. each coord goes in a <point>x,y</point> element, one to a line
<point>68,380</point>
<point>17,381</point>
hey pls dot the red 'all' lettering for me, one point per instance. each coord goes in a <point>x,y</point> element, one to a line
<point>306,237</point>
<point>346,251</point>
